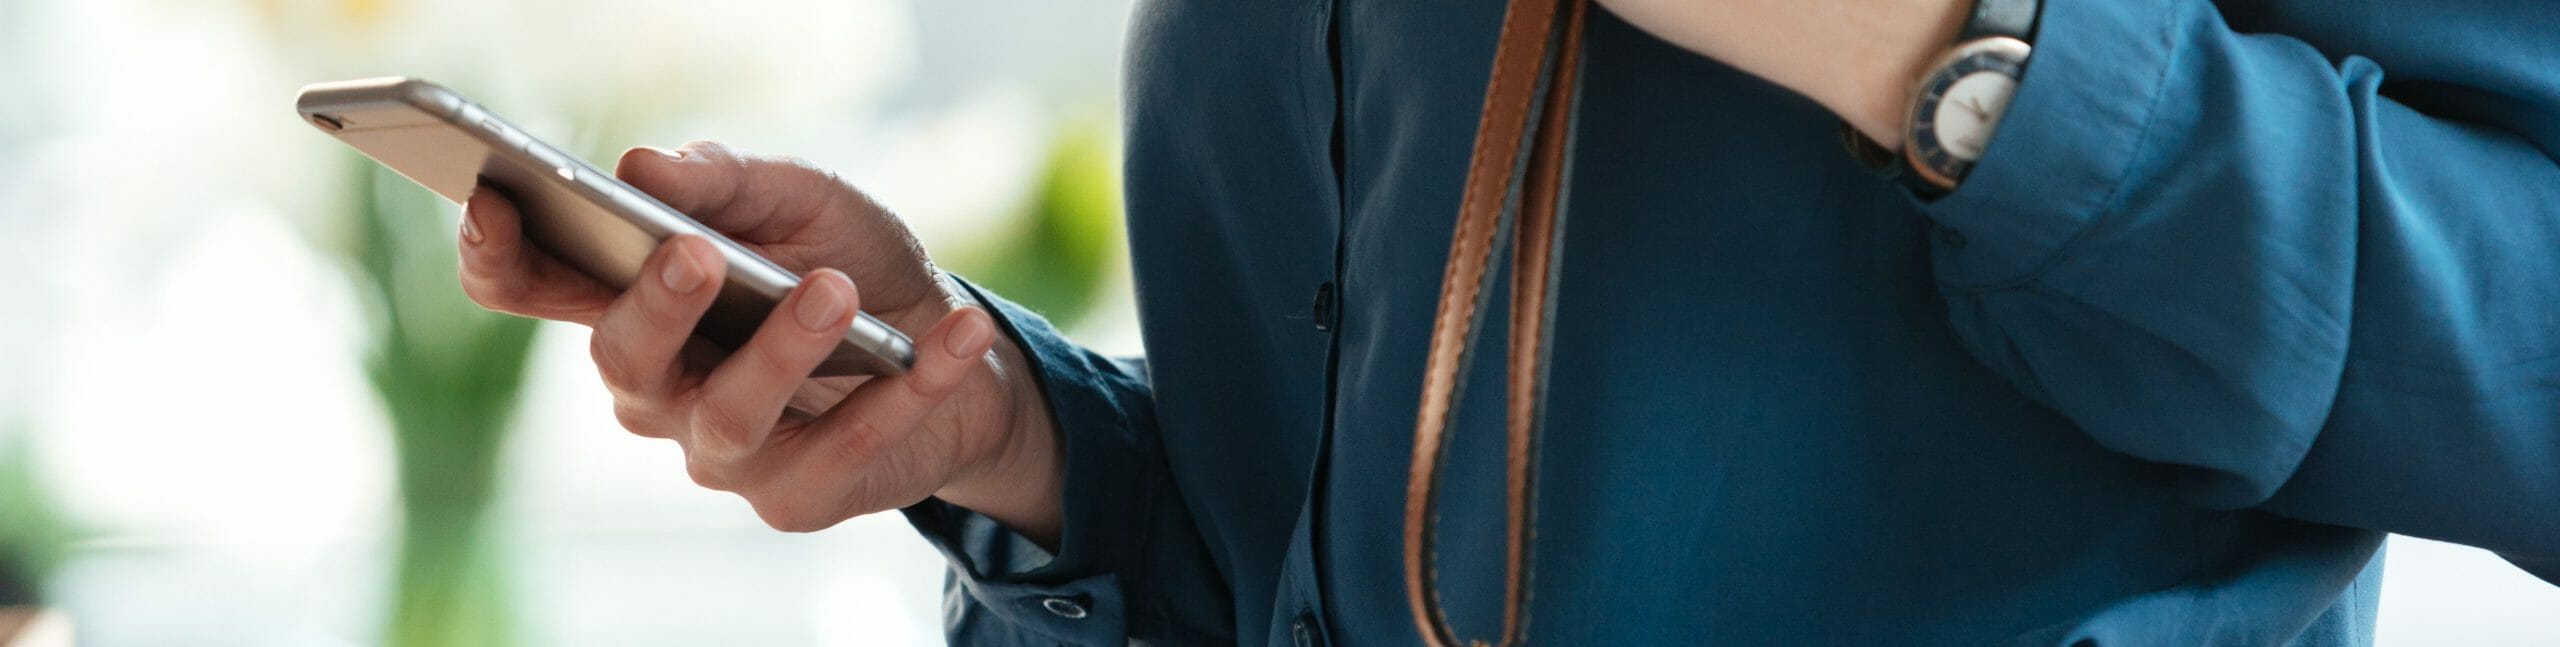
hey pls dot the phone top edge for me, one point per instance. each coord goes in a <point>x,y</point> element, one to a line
<point>420,93</point>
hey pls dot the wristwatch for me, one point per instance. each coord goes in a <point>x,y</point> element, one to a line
<point>1957,104</point>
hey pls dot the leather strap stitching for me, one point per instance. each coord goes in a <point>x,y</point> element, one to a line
<point>1498,169</point>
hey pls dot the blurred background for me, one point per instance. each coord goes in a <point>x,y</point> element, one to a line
<point>242,403</point>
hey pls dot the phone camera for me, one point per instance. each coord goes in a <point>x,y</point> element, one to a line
<point>326,122</point>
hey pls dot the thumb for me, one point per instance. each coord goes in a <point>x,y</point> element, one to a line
<point>734,191</point>
<point>700,178</point>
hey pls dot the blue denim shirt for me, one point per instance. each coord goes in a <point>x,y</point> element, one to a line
<point>2238,288</point>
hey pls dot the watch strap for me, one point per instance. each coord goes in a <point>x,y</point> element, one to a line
<point>2011,18</point>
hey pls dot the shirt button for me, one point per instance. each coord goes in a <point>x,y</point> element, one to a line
<point>1300,634</point>
<point>1325,310</point>
<point>1064,608</point>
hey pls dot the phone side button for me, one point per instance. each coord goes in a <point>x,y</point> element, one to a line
<point>491,125</point>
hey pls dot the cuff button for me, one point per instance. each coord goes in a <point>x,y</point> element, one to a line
<point>1064,608</point>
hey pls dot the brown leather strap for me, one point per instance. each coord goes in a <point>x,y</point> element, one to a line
<point>1521,188</point>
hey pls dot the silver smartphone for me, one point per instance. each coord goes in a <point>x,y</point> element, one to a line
<point>571,209</point>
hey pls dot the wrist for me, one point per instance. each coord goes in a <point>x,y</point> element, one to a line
<point>1857,59</point>
<point>1018,478</point>
<point>1870,88</point>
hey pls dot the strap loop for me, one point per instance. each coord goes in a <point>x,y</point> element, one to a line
<point>1515,189</point>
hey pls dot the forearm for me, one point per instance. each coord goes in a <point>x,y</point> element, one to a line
<point>1857,59</point>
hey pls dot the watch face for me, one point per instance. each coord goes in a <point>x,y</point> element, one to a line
<point>1960,105</point>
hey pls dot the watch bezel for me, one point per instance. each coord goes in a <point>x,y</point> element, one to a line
<point>2004,54</point>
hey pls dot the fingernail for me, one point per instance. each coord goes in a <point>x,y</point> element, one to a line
<point>822,305</point>
<point>973,333</point>
<point>671,155</point>
<point>680,274</point>
<point>470,224</point>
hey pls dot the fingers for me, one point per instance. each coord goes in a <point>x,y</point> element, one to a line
<point>860,456</point>
<point>839,471</point>
<point>744,396</point>
<point>503,273</point>
<point>882,411</point>
<point>639,341</point>
<point>946,354</point>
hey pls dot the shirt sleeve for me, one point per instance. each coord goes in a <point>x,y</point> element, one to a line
<point>1130,565</point>
<point>2317,291</point>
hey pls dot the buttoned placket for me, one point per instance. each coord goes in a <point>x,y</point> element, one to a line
<point>1299,621</point>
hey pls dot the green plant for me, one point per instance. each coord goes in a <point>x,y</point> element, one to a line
<point>33,533</point>
<point>449,374</point>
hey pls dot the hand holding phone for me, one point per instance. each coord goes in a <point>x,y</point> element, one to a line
<point>960,422</point>
<point>806,453</point>
<point>590,220</point>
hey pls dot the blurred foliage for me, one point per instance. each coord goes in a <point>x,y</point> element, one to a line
<point>449,374</point>
<point>1060,257</point>
<point>33,533</point>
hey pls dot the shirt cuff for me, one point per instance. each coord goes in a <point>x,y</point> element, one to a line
<point>1071,596</point>
<point>2064,149</point>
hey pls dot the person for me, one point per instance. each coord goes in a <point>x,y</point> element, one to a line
<point>2237,288</point>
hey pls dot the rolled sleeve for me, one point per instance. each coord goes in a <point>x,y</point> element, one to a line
<point>2066,145</point>
<point>2243,253</point>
